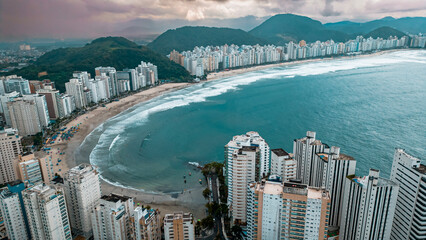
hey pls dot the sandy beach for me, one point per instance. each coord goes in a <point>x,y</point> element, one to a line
<point>230,73</point>
<point>89,121</point>
<point>191,201</point>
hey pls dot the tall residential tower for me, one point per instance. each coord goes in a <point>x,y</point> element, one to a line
<point>82,191</point>
<point>368,207</point>
<point>410,219</point>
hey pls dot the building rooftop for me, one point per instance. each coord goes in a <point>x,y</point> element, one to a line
<point>26,157</point>
<point>273,188</point>
<point>295,188</point>
<point>178,215</point>
<point>248,149</point>
<point>421,169</point>
<point>345,157</point>
<point>373,176</point>
<point>323,156</point>
<point>317,193</point>
<point>114,198</point>
<point>79,171</point>
<point>9,131</point>
<point>316,142</point>
<point>280,152</point>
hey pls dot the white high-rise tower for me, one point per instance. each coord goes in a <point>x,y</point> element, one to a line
<point>368,207</point>
<point>10,148</point>
<point>410,219</point>
<point>83,192</point>
<point>239,141</point>
<point>47,212</point>
<point>304,150</point>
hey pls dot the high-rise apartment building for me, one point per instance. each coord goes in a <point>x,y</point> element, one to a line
<point>330,169</point>
<point>82,76</point>
<point>111,218</point>
<point>47,212</point>
<point>99,88</point>
<point>179,226</point>
<point>325,167</point>
<point>410,220</point>
<point>237,142</point>
<point>264,209</point>
<point>246,161</point>
<point>76,88</point>
<point>42,110</point>
<point>51,95</point>
<point>14,83</point>
<point>368,207</point>
<point>66,105</point>
<point>82,191</point>
<point>147,224</point>
<point>288,210</point>
<point>283,164</point>
<point>46,167</point>
<point>150,72</point>
<point>10,148</point>
<point>4,110</point>
<point>29,170</point>
<point>128,79</point>
<point>25,117</point>
<point>304,150</point>
<point>112,88</point>
<point>305,212</point>
<point>13,211</point>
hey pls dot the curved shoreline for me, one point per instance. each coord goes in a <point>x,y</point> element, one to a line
<point>93,119</point>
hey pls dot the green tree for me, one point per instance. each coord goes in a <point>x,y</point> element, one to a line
<point>237,232</point>
<point>206,193</point>
<point>224,208</point>
<point>207,222</point>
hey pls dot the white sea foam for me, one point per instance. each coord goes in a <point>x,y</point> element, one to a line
<point>138,116</point>
<point>114,141</point>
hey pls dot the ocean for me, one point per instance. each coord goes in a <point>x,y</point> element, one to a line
<point>367,106</point>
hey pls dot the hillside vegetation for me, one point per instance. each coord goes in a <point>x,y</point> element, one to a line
<point>384,32</point>
<point>115,52</point>
<point>283,28</point>
<point>186,38</point>
<point>413,25</point>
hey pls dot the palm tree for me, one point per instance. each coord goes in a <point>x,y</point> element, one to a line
<point>237,232</point>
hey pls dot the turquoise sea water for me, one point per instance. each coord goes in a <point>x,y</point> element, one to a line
<point>367,106</point>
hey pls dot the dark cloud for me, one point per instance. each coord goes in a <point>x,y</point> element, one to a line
<point>20,19</point>
<point>329,9</point>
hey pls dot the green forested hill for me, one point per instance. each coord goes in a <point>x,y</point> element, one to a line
<point>283,28</point>
<point>186,38</point>
<point>384,32</point>
<point>115,52</point>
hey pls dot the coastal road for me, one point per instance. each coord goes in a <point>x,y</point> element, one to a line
<point>218,221</point>
<point>219,226</point>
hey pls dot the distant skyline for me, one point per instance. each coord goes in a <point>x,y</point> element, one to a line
<point>24,19</point>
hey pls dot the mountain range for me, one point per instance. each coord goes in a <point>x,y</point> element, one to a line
<point>412,25</point>
<point>186,38</point>
<point>282,28</point>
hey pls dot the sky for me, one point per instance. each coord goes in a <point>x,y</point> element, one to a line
<point>23,19</point>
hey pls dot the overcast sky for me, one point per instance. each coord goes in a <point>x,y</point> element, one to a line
<point>20,19</point>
